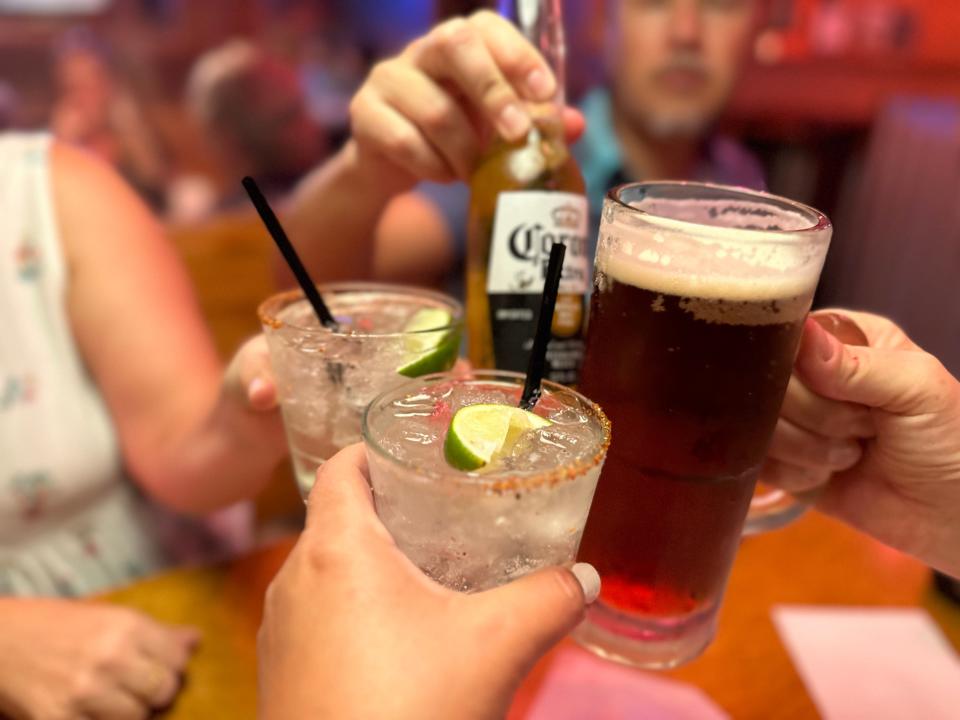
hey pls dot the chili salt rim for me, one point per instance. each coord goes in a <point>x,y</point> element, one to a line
<point>500,484</point>
<point>269,310</point>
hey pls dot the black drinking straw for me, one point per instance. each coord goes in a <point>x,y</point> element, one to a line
<point>538,355</point>
<point>289,254</point>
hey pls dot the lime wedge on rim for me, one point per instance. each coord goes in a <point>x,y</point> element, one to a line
<point>477,433</point>
<point>429,352</point>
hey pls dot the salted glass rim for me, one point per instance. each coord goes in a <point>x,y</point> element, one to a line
<point>269,310</point>
<point>496,482</point>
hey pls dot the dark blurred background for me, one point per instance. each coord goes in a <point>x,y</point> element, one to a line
<point>852,105</point>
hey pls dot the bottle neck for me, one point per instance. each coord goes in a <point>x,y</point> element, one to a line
<point>541,22</point>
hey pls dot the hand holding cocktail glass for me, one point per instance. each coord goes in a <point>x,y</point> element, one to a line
<point>334,348</point>
<point>352,628</point>
<point>485,478</point>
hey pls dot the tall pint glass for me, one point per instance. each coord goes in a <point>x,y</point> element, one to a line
<point>700,294</point>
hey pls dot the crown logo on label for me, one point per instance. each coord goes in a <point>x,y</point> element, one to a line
<point>566,216</point>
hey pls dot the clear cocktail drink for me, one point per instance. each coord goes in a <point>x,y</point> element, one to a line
<point>475,530</point>
<point>326,378</point>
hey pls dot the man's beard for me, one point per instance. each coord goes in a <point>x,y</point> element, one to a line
<point>677,124</point>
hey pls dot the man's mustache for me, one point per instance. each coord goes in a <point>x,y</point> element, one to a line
<point>684,62</point>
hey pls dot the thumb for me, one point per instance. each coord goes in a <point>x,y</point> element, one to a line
<point>251,375</point>
<point>903,382</point>
<point>532,614</point>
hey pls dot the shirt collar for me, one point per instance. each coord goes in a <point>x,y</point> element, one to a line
<point>598,151</point>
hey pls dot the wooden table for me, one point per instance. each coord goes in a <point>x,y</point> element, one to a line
<point>747,670</point>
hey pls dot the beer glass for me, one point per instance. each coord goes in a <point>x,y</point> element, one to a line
<point>700,295</point>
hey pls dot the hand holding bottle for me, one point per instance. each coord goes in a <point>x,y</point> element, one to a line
<point>428,112</point>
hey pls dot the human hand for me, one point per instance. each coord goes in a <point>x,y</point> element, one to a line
<point>352,629</point>
<point>425,114</point>
<point>875,432</point>
<point>249,376</point>
<point>249,380</point>
<point>63,659</point>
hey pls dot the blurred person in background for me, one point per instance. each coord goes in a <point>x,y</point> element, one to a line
<point>254,117</point>
<point>317,37</point>
<point>96,110</point>
<point>113,403</point>
<point>671,65</point>
<point>425,114</point>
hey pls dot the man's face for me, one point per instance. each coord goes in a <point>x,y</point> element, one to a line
<point>673,63</point>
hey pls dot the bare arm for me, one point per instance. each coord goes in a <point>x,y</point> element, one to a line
<point>187,432</point>
<point>350,224</point>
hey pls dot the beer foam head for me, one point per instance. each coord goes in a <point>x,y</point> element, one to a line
<point>742,251</point>
<point>743,258</point>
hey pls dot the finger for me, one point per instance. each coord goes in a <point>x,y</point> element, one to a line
<point>188,635</point>
<point>843,327</point>
<point>535,612</point>
<point>462,369</point>
<point>456,51</point>
<point>797,446</point>
<point>829,418</point>
<point>903,382</point>
<point>574,124</point>
<point>380,126</point>
<point>880,332</point>
<point>250,375</point>
<point>256,374</point>
<point>793,478</point>
<point>341,494</point>
<point>517,59</point>
<point>147,680</point>
<point>261,394</point>
<point>114,703</point>
<point>169,646</point>
<point>433,111</point>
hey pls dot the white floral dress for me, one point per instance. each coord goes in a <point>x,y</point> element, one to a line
<point>70,521</point>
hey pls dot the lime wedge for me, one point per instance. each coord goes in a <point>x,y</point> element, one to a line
<point>429,352</point>
<point>479,432</point>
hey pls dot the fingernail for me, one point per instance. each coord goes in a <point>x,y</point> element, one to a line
<point>513,122</point>
<point>190,637</point>
<point>841,327</point>
<point>825,344</point>
<point>256,386</point>
<point>843,457</point>
<point>539,84</point>
<point>589,580</point>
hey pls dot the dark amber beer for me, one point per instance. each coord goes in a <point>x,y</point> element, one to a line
<point>692,334</point>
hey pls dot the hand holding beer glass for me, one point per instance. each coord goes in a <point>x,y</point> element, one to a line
<point>700,295</point>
